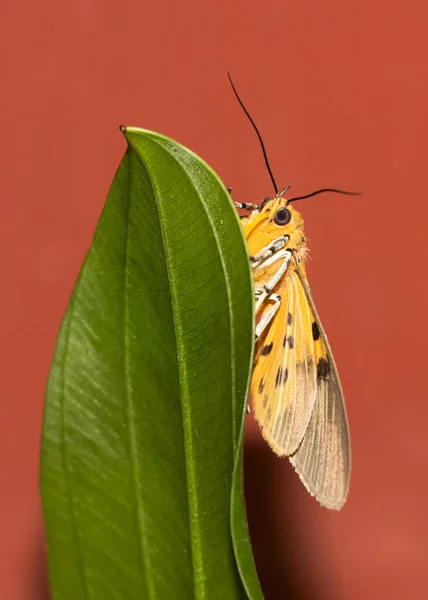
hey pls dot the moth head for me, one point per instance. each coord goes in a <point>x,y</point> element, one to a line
<point>279,214</point>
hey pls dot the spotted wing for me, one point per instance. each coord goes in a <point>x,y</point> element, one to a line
<point>284,382</point>
<point>323,459</point>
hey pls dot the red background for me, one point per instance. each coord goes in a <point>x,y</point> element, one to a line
<point>340,93</point>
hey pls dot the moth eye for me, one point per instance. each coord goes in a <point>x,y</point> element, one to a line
<point>265,201</point>
<point>282,216</point>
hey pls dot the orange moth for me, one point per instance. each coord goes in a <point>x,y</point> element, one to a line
<point>296,394</point>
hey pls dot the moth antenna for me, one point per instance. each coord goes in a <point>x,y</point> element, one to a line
<point>284,191</point>
<point>322,191</point>
<point>258,134</point>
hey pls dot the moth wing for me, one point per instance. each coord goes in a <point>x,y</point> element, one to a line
<point>323,459</point>
<point>284,381</point>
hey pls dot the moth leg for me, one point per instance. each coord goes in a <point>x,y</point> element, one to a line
<point>265,291</point>
<point>268,251</point>
<point>272,259</point>
<point>268,315</point>
<point>260,298</point>
<point>277,276</point>
<point>246,205</point>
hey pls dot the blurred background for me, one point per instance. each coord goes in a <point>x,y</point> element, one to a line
<point>340,94</point>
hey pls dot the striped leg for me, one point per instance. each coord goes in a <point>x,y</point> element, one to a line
<point>246,205</point>
<point>268,252</point>
<point>265,291</point>
<point>268,315</point>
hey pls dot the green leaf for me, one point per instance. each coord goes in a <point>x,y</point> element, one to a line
<point>146,396</point>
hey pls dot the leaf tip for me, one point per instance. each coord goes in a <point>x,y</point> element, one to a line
<point>122,128</point>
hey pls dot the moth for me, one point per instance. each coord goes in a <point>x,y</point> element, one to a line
<point>297,397</point>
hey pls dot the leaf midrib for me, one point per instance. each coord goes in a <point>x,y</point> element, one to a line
<point>132,436</point>
<point>177,337</point>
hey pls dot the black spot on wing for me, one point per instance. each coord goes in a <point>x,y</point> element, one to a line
<point>267,349</point>
<point>290,340</point>
<point>261,386</point>
<point>281,376</point>
<point>289,319</point>
<point>265,400</point>
<point>323,369</point>
<point>315,331</point>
